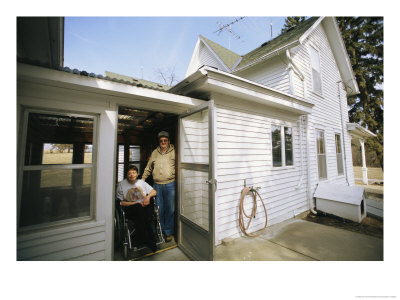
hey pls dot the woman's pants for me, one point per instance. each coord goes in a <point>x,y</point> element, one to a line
<point>143,219</point>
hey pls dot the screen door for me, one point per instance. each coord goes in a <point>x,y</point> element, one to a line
<point>196,184</point>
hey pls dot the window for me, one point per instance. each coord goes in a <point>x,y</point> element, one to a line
<point>132,159</point>
<point>316,71</point>
<point>288,146</point>
<point>282,152</point>
<point>276,146</point>
<point>322,172</point>
<point>339,154</point>
<point>57,179</point>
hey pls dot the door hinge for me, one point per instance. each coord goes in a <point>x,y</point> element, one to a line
<point>213,181</point>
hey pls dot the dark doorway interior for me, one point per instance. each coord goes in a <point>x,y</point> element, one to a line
<point>137,138</point>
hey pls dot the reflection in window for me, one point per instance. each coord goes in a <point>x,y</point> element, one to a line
<point>282,151</point>
<point>288,146</point>
<point>316,71</point>
<point>339,155</point>
<point>57,176</point>
<point>322,171</point>
<point>276,146</point>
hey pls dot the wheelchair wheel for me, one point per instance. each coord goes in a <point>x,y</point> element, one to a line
<point>117,231</point>
<point>125,251</point>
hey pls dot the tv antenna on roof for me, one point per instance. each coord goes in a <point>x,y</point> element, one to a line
<point>227,27</point>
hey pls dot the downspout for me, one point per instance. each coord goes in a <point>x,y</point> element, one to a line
<point>343,132</point>
<point>309,196</point>
<point>297,70</point>
<point>306,119</point>
<point>301,118</point>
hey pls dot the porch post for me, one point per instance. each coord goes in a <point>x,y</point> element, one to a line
<point>364,165</point>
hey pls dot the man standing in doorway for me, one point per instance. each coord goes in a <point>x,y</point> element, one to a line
<point>162,166</point>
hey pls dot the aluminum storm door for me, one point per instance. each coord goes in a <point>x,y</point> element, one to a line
<point>197,182</point>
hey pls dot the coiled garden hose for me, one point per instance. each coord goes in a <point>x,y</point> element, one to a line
<point>242,212</point>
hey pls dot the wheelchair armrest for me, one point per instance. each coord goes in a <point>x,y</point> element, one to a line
<point>118,206</point>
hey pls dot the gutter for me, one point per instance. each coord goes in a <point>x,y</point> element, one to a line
<point>343,132</point>
<point>309,196</point>
<point>301,119</point>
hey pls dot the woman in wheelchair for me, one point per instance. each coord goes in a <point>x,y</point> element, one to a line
<point>134,195</point>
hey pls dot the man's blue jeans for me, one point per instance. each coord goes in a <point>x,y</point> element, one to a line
<point>166,203</point>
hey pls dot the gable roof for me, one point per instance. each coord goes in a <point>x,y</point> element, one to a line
<point>281,41</point>
<point>228,57</point>
<point>287,40</point>
<point>236,62</point>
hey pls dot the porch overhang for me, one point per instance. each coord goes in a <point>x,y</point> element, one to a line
<point>124,94</point>
<point>357,131</point>
<point>206,81</point>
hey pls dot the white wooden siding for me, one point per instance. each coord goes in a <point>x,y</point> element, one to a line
<point>272,74</point>
<point>77,242</point>
<point>326,113</point>
<point>244,152</point>
<point>208,58</point>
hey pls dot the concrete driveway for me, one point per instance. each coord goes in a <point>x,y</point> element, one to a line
<point>299,240</point>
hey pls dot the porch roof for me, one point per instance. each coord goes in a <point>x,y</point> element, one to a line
<point>125,91</point>
<point>357,131</point>
<point>208,80</point>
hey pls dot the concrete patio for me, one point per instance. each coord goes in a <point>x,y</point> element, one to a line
<point>293,240</point>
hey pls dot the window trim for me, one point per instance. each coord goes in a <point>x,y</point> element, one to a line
<point>21,167</point>
<point>283,146</point>
<point>319,93</point>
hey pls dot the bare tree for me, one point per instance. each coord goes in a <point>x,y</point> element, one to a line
<point>167,75</point>
<point>61,147</point>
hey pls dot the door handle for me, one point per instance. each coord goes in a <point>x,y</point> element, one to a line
<point>213,181</point>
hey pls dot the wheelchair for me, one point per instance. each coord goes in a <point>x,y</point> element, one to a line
<point>125,236</point>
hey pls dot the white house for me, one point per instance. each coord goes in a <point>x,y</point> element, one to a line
<point>275,118</point>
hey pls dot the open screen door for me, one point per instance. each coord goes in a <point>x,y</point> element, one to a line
<point>196,184</point>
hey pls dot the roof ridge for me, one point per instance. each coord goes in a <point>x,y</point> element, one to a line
<point>282,40</point>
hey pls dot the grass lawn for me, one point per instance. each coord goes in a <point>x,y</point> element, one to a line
<point>373,173</point>
<point>62,177</point>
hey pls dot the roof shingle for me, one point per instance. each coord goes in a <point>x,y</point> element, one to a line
<point>278,42</point>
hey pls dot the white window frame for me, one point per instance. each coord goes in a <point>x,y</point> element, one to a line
<point>22,168</point>
<point>341,153</point>
<point>312,51</point>
<point>283,146</point>
<point>325,153</point>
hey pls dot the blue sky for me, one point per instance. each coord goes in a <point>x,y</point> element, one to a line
<point>138,46</point>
